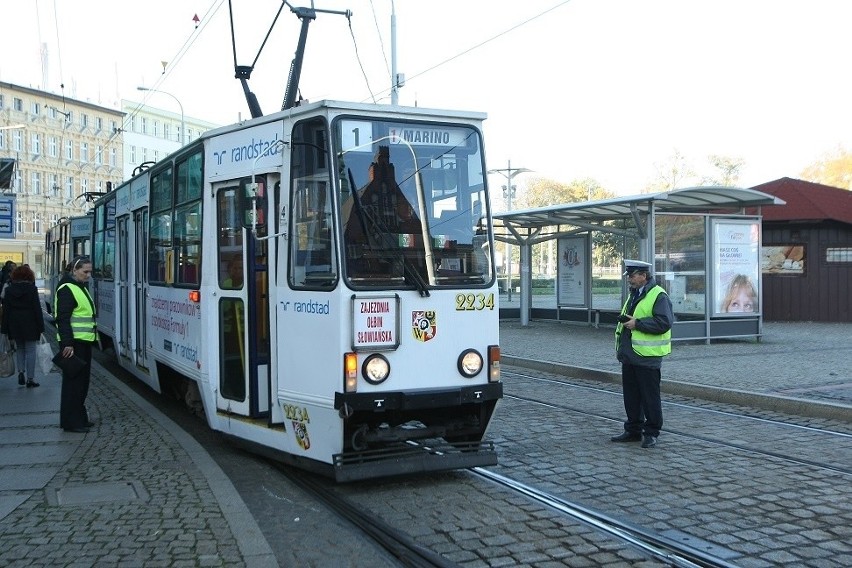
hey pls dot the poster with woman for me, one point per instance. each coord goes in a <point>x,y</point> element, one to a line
<point>736,259</point>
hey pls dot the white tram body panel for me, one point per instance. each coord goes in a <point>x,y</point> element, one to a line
<point>324,277</point>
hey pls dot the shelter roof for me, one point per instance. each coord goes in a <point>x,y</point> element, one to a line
<point>807,201</point>
<point>584,213</point>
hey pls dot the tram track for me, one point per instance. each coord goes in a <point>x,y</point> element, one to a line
<point>650,543</point>
<point>692,435</point>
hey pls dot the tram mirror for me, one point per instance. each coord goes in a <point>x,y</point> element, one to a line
<point>251,201</point>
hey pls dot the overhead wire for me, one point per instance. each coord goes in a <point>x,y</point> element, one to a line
<point>477,46</point>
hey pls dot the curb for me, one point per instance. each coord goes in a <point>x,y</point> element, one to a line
<point>776,403</point>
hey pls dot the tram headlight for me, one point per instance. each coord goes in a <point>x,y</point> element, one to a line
<point>470,363</point>
<point>375,369</point>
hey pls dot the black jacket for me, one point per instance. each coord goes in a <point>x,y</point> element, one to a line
<point>22,314</point>
<point>65,305</point>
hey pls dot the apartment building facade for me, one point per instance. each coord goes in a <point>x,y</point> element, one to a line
<point>65,152</point>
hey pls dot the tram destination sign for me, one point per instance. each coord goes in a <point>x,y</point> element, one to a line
<point>375,322</point>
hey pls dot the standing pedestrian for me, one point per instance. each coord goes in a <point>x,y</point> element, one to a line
<point>76,332</point>
<point>642,338</point>
<point>22,320</point>
<point>6,272</point>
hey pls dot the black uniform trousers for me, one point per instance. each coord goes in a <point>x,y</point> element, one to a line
<point>75,389</point>
<point>641,389</point>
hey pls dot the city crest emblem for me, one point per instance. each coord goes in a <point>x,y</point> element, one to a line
<point>424,325</point>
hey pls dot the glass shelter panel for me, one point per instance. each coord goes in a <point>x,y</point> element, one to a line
<point>680,263</point>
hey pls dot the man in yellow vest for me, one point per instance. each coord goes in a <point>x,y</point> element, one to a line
<point>643,337</point>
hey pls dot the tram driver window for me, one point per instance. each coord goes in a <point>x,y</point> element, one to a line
<point>312,244</point>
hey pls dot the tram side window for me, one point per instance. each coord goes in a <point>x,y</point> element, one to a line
<point>103,247</point>
<point>160,233</point>
<point>313,257</point>
<point>187,227</point>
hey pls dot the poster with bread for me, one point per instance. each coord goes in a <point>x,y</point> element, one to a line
<point>783,259</point>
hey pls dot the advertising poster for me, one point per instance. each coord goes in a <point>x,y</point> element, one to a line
<point>571,281</point>
<point>736,259</point>
<point>787,259</point>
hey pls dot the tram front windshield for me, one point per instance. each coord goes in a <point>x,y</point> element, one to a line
<point>413,205</point>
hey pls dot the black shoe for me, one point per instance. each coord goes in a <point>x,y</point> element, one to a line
<point>21,380</point>
<point>31,384</point>
<point>77,430</point>
<point>626,437</point>
<point>649,441</point>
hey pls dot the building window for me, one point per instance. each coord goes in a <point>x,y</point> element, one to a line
<point>36,183</point>
<point>36,223</point>
<point>189,134</point>
<point>84,185</point>
<point>99,186</point>
<point>36,144</point>
<point>113,126</point>
<point>19,221</point>
<point>156,155</point>
<point>144,122</point>
<point>112,157</point>
<point>84,152</point>
<point>99,123</point>
<point>1,102</point>
<point>54,185</point>
<point>132,123</point>
<point>167,131</point>
<point>838,254</point>
<point>69,188</point>
<point>69,150</point>
<point>155,128</point>
<point>2,138</point>
<point>144,154</point>
<point>18,104</point>
<point>133,154</point>
<point>35,108</point>
<point>51,146</point>
<point>18,141</point>
<point>51,112</point>
<point>84,120</point>
<point>98,152</point>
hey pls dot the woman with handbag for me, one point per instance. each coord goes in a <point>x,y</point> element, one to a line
<point>23,321</point>
<point>76,332</point>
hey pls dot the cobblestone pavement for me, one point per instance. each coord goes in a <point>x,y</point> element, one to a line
<point>139,491</point>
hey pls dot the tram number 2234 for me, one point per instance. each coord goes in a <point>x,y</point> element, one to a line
<point>468,302</point>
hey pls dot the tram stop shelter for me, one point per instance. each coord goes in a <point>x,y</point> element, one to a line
<point>705,249</point>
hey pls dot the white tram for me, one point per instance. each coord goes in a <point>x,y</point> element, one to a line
<point>322,279</point>
<point>70,237</point>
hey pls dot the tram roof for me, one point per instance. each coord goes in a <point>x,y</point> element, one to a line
<point>687,200</point>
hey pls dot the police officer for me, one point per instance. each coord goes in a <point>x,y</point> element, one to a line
<point>642,339</point>
<point>76,332</point>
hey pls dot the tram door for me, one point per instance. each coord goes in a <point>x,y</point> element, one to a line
<point>140,233</point>
<point>123,277</point>
<point>243,308</point>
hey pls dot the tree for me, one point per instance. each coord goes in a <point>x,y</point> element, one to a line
<point>832,168</point>
<point>673,173</point>
<point>728,173</point>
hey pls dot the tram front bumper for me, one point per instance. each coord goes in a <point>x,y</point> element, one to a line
<point>420,399</point>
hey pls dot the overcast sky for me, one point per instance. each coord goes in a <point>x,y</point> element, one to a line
<point>604,89</point>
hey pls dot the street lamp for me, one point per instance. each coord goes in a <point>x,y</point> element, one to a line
<point>182,137</point>
<point>508,194</point>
